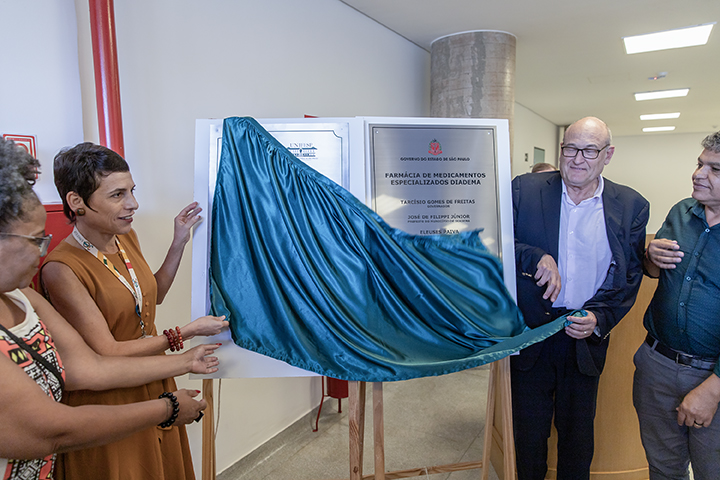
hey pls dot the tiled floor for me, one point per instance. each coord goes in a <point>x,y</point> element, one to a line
<point>428,421</point>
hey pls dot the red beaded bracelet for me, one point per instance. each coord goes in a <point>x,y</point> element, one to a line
<point>171,339</point>
<point>179,338</point>
<point>174,339</point>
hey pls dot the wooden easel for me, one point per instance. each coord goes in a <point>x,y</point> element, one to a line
<point>498,388</point>
<point>208,432</point>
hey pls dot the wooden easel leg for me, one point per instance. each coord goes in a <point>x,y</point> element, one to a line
<point>489,421</point>
<point>356,399</point>
<point>500,399</point>
<point>505,392</point>
<point>379,431</point>
<point>208,433</point>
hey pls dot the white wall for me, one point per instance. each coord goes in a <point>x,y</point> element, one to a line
<point>183,60</point>
<point>39,84</point>
<point>659,166</point>
<point>532,130</point>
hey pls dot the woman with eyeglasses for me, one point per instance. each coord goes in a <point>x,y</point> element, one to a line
<point>98,279</point>
<point>42,356</point>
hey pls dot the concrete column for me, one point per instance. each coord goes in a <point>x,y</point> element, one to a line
<point>473,76</point>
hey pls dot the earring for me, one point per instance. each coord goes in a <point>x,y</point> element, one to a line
<point>80,212</point>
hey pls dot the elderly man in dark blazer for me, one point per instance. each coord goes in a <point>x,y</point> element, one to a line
<point>579,242</point>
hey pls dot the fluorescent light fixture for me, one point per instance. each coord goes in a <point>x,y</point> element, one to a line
<point>659,116</point>
<point>679,38</point>
<point>658,129</point>
<point>680,92</point>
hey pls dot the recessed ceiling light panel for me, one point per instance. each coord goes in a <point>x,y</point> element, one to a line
<point>658,129</point>
<point>659,116</point>
<point>680,92</point>
<point>679,38</point>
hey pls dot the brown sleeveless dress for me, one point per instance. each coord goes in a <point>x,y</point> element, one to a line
<point>153,454</point>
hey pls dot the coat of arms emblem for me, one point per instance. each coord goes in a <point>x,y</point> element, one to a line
<point>435,148</point>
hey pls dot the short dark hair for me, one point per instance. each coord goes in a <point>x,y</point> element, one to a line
<point>543,167</point>
<point>80,169</point>
<point>17,176</point>
<point>712,142</point>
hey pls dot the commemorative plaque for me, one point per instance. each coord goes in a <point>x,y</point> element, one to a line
<point>436,179</point>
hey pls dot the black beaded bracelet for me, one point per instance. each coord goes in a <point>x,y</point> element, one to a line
<point>176,409</point>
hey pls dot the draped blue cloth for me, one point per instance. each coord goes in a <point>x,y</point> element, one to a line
<point>309,275</point>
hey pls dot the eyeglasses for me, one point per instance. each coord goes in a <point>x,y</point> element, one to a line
<point>42,242</point>
<point>588,153</point>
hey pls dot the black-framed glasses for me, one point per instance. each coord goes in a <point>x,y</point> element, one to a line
<point>42,242</point>
<point>588,153</point>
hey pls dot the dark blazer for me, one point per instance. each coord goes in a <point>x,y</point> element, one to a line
<point>536,215</point>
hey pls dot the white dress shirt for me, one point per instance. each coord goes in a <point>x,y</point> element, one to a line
<point>584,254</point>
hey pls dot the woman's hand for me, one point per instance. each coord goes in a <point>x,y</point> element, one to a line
<point>190,409</point>
<point>200,360</point>
<point>184,223</point>
<point>204,327</point>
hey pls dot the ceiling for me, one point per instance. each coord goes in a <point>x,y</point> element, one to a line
<point>570,57</point>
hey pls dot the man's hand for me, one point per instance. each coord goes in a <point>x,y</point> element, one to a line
<point>581,327</point>
<point>664,253</point>
<point>547,274</point>
<point>699,405</point>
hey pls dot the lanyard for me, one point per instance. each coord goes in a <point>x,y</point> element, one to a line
<point>134,289</point>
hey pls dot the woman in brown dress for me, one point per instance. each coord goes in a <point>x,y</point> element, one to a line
<point>98,279</point>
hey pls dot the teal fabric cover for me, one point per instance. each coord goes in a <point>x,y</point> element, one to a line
<point>309,275</point>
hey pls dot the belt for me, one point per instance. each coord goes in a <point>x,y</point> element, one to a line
<point>680,358</point>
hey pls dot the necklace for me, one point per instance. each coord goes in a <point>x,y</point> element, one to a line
<point>135,289</point>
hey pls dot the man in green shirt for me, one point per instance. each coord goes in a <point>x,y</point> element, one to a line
<point>677,377</point>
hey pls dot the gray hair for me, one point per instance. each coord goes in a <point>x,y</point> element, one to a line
<point>17,176</point>
<point>712,142</point>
